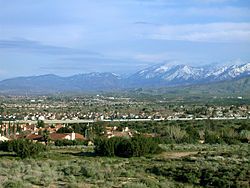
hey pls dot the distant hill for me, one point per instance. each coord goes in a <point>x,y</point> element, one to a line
<point>47,84</point>
<point>236,87</point>
<point>233,78</point>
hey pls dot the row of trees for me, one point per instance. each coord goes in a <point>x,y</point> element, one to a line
<point>89,131</point>
<point>9,129</point>
<point>126,147</point>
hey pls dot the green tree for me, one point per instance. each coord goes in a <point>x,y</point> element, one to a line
<point>40,123</point>
<point>45,135</point>
<point>23,148</point>
<point>126,147</point>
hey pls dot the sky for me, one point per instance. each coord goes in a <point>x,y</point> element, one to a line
<point>122,36</point>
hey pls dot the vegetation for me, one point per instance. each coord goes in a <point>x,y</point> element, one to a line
<point>40,123</point>
<point>23,148</point>
<point>70,142</point>
<point>206,174</point>
<point>126,147</point>
<point>180,165</point>
<point>174,158</point>
<point>207,131</point>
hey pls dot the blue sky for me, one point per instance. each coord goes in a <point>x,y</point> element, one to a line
<point>78,36</point>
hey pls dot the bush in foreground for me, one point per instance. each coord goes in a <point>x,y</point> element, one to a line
<point>124,147</point>
<point>23,148</point>
<point>210,175</point>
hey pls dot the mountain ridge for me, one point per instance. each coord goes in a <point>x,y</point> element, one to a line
<point>181,74</point>
<point>161,75</point>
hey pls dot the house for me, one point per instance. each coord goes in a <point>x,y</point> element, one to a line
<point>52,130</point>
<point>3,138</point>
<point>118,132</point>
<point>56,136</point>
<point>34,137</point>
<point>66,136</point>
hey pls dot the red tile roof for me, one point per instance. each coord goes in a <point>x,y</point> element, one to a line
<point>52,136</point>
<point>34,137</point>
<point>79,136</point>
<point>58,136</point>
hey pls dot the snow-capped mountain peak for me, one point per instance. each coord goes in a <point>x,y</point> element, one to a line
<point>164,68</point>
<point>179,73</point>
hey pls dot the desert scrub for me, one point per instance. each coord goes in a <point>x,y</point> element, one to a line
<point>134,185</point>
<point>206,171</point>
<point>31,171</point>
<point>14,184</point>
<point>68,169</point>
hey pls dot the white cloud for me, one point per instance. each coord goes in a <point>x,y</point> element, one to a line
<point>63,35</point>
<point>213,32</point>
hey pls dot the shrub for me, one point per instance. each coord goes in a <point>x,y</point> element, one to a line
<point>206,176</point>
<point>64,130</point>
<point>105,147</point>
<point>23,148</point>
<point>174,134</point>
<point>70,142</point>
<point>134,185</point>
<point>13,184</point>
<point>143,146</point>
<point>4,146</point>
<point>212,137</point>
<point>126,147</point>
<point>245,136</point>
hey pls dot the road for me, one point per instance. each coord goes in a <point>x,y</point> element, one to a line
<point>120,120</point>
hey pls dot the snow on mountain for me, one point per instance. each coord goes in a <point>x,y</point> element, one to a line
<point>160,75</point>
<point>169,72</point>
<point>180,74</point>
<point>184,72</point>
<point>216,72</point>
<point>238,70</point>
<point>230,72</point>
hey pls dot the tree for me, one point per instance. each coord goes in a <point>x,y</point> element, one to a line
<point>126,147</point>
<point>23,148</point>
<point>45,135</point>
<point>1,126</point>
<point>174,134</point>
<point>18,128</point>
<point>40,123</point>
<point>1,110</point>
<point>8,129</point>
<point>65,130</point>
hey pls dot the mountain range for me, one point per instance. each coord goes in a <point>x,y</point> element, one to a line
<point>168,74</point>
<point>174,74</point>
